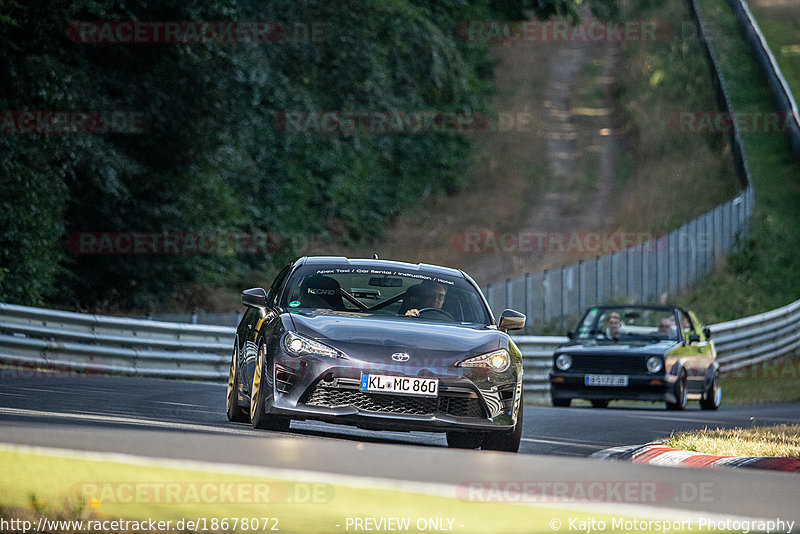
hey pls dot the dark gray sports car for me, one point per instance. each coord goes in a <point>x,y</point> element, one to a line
<point>382,345</point>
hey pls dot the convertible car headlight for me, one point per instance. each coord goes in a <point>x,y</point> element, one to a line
<point>298,345</point>
<point>564,362</point>
<point>497,360</point>
<point>654,364</point>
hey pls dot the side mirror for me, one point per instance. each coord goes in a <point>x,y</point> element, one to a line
<point>511,320</point>
<point>570,335</point>
<point>694,338</point>
<point>707,332</point>
<point>254,298</point>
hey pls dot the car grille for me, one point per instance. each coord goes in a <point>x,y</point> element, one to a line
<point>608,363</point>
<point>399,404</point>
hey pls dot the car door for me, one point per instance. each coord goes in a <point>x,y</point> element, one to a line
<point>260,325</point>
<point>698,351</point>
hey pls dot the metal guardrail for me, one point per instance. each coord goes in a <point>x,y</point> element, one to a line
<point>35,338</point>
<point>665,265</point>
<point>777,83</point>
<point>86,343</point>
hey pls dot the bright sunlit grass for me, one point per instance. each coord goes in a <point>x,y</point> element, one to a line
<point>779,440</point>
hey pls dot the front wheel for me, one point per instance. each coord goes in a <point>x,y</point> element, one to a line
<point>235,412</point>
<point>712,399</point>
<point>261,393</point>
<point>599,404</point>
<point>680,394</point>
<point>505,441</point>
<point>561,403</point>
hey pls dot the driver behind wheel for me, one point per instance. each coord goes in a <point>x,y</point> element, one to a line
<point>427,295</point>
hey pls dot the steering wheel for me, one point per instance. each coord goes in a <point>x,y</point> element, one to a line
<point>436,310</point>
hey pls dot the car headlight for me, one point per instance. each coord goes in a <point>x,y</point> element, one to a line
<point>497,360</point>
<point>654,364</point>
<point>564,362</point>
<point>298,345</point>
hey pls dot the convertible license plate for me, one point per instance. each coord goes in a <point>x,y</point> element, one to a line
<point>606,380</point>
<point>404,385</point>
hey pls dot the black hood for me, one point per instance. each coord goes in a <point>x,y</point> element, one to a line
<point>375,338</point>
<point>619,347</point>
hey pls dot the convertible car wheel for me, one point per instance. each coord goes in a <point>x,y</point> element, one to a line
<point>464,440</point>
<point>561,403</point>
<point>235,412</point>
<point>713,397</point>
<point>680,394</point>
<point>262,392</point>
<point>599,404</point>
<point>505,441</point>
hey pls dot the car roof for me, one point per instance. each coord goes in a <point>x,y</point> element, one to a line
<point>386,264</point>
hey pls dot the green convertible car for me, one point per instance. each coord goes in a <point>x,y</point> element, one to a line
<point>650,353</point>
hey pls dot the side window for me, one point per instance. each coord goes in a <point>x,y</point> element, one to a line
<point>273,293</point>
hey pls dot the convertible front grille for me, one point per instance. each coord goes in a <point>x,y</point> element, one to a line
<point>608,363</point>
<point>332,397</point>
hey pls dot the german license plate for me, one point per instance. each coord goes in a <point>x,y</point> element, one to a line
<point>403,385</point>
<point>606,380</point>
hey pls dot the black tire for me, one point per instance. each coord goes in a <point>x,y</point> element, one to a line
<point>561,403</point>
<point>680,395</point>
<point>463,440</point>
<point>505,441</point>
<point>712,398</point>
<point>235,412</point>
<point>599,404</point>
<point>261,391</point>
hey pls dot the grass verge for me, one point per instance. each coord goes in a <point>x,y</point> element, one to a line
<point>780,24</point>
<point>778,440</point>
<point>44,484</point>
<point>772,381</point>
<point>766,273</point>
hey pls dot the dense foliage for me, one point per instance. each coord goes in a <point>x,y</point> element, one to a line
<point>211,152</point>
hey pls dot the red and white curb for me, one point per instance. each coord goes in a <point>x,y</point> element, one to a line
<point>655,453</point>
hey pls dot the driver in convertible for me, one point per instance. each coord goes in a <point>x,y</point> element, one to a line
<point>428,295</point>
<point>613,322</point>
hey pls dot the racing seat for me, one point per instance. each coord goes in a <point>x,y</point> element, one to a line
<point>411,300</point>
<point>321,292</point>
<point>452,305</point>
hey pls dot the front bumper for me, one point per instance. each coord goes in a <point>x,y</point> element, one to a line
<point>656,388</point>
<point>326,389</point>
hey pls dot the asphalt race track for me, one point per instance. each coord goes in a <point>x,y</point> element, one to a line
<point>186,420</point>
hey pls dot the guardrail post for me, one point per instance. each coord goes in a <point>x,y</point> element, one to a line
<point>546,296</point>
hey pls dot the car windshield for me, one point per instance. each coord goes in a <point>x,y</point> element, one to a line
<point>386,292</point>
<point>629,324</point>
